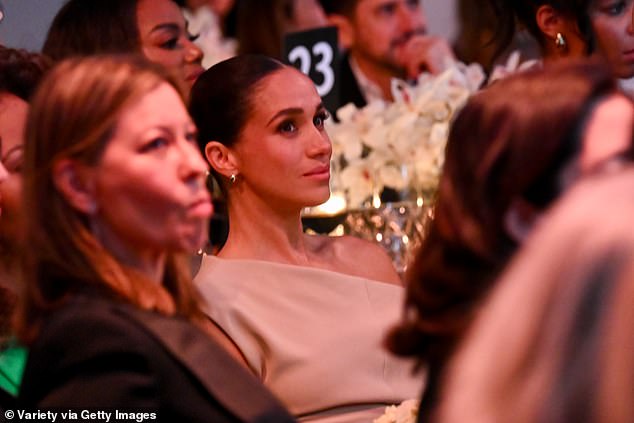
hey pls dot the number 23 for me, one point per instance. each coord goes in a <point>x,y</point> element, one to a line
<point>323,66</point>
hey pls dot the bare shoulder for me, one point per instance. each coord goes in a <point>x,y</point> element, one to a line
<point>364,258</point>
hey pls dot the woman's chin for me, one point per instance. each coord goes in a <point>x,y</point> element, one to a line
<point>194,239</point>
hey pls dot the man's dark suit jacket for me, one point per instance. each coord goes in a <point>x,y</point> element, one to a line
<point>96,353</point>
<point>349,91</point>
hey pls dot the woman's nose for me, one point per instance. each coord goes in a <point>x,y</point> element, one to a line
<point>321,145</point>
<point>193,53</point>
<point>193,165</point>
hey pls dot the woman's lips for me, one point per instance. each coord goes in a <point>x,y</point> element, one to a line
<point>202,207</point>
<point>320,172</point>
<point>193,76</point>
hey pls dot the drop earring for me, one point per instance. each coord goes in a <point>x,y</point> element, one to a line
<point>232,178</point>
<point>560,41</point>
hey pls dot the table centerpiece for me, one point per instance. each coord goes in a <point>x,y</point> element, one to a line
<point>387,159</point>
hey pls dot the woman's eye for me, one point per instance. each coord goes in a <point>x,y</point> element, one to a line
<point>615,9</point>
<point>193,37</point>
<point>387,10</point>
<point>192,137</point>
<point>287,127</point>
<point>155,144</point>
<point>170,44</point>
<point>320,119</point>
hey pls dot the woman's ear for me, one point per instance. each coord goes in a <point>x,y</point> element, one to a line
<point>76,184</point>
<point>550,22</point>
<point>345,28</point>
<point>221,158</point>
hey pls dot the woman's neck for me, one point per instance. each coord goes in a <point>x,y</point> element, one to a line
<point>149,263</point>
<point>261,230</point>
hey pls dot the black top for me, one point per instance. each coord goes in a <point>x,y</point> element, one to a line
<point>96,353</point>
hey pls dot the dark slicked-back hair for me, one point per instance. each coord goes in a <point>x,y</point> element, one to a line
<point>339,7</point>
<point>221,98</point>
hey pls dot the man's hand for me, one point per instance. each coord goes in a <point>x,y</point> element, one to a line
<point>425,53</point>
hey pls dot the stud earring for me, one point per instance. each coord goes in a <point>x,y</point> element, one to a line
<point>232,178</point>
<point>560,41</point>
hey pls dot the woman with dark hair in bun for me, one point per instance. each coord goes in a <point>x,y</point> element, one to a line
<point>305,312</point>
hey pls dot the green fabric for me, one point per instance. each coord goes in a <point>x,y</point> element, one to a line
<point>12,363</point>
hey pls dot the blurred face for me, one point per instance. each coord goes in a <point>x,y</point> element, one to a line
<point>13,112</point>
<point>307,14</point>
<point>614,33</point>
<point>149,184</point>
<point>608,132</point>
<point>283,150</point>
<point>165,39</point>
<point>382,29</point>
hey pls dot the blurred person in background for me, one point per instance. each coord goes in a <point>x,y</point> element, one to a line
<point>383,39</point>
<point>155,29</point>
<point>20,72</point>
<point>572,29</point>
<point>477,31</point>
<point>262,25</point>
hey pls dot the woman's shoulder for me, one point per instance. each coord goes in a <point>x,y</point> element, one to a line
<point>361,258</point>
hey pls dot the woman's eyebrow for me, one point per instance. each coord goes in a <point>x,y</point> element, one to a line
<point>288,111</point>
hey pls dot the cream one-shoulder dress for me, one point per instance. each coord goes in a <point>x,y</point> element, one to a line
<point>313,336</point>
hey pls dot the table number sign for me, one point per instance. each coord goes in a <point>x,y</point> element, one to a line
<point>316,54</point>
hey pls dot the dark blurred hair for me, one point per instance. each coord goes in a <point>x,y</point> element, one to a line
<point>510,13</point>
<point>86,27</point>
<point>511,141</point>
<point>339,7</point>
<point>221,98</point>
<point>554,341</point>
<point>262,26</point>
<point>21,71</point>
